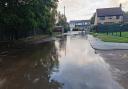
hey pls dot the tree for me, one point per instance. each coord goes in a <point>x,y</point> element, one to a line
<point>93,18</point>
<point>126,13</point>
<point>22,18</point>
<point>62,21</point>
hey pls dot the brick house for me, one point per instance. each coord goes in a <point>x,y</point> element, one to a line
<point>109,15</point>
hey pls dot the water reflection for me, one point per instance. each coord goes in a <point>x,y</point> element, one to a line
<point>31,69</point>
<point>67,63</point>
<point>81,68</point>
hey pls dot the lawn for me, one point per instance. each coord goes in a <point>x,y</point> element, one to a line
<point>112,38</point>
<point>124,34</point>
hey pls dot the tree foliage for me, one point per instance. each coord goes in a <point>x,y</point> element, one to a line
<point>22,18</point>
<point>62,21</point>
<point>93,18</point>
<point>126,13</point>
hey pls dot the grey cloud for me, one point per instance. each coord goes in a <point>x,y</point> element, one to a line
<point>84,9</point>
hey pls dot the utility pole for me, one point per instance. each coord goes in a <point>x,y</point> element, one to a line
<point>65,21</point>
<point>64,10</point>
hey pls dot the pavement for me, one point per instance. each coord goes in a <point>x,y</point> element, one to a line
<point>100,45</point>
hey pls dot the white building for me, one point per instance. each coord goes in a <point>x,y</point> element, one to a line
<point>79,24</point>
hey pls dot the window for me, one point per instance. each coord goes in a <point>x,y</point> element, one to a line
<point>109,23</point>
<point>110,17</point>
<point>102,18</point>
<point>99,23</point>
<point>86,23</point>
<point>117,17</point>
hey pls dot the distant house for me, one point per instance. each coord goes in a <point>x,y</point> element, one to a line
<point>109,15</point>
<point>79,24</point>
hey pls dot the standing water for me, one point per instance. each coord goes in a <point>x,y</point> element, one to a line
<point>69,62</point>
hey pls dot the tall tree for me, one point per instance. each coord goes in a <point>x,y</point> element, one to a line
<point>93,18</point>
<point>21,18</point>
<point>62,21</point>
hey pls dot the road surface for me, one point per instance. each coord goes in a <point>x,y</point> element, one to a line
<point>69,62</point>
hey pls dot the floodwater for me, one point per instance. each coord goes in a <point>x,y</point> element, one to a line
<point>69,62</point>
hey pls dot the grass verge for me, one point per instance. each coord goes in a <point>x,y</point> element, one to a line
<point>35,38</point>
<point>109,38</point>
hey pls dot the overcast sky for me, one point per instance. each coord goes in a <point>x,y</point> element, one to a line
<point>84,9</point>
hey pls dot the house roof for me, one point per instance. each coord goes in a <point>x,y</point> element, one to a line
<point>109,11</point>
<point>79,21</point>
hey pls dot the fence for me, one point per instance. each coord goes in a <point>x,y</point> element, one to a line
<point>112,28</point>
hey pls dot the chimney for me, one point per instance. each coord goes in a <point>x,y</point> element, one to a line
<point>120,5</point>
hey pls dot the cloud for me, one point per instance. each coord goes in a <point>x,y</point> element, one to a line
<point>118,2</point>
<point>84,9</point>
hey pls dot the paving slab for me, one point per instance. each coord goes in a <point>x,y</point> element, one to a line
<point>101,45</point>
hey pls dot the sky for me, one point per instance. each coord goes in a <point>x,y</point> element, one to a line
<point>84,9</point>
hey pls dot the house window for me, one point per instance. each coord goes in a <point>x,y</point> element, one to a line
<point>110,17</point>
<point>99,23</point>
<point>109,23</point>
<point>117,17</point>
<point>102,18</point>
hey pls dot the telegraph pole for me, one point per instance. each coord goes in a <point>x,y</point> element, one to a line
<point>64,10</point>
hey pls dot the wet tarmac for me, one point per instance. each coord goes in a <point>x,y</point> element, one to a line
<point>118,60</point>
<point>69,62</point>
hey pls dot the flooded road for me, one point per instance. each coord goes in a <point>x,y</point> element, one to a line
<point>69,62</point>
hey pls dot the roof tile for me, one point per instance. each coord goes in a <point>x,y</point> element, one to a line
<point>109,11</point>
